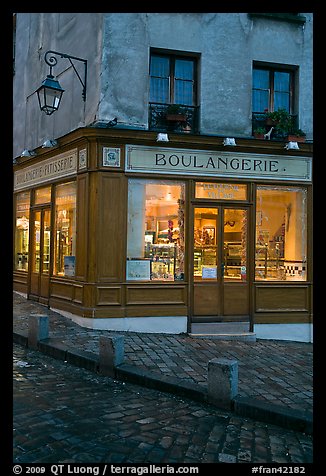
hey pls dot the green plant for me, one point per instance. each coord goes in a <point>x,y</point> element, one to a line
<point>298,133</point>
<point>174,109</point>
<point>281,120</point>
<point>259,130</point>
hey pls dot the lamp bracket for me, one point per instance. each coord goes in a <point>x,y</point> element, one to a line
<point>51,60</point>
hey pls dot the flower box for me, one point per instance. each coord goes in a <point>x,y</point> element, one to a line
<point>176,117</point>
<point>294,138</point>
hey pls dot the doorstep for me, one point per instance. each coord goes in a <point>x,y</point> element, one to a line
<point>222,331</point>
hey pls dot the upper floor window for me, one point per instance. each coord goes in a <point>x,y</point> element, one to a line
<point>172,79</point>
<point>272,89</point>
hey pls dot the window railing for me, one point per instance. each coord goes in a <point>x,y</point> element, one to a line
<point>173,118</point>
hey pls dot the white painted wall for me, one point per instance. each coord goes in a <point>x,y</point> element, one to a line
<point>293,332</point>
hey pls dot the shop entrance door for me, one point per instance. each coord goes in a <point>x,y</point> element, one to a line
<point>220,253</point>
<point>40,249</point>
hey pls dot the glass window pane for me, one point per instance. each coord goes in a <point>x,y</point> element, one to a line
<point>205,244</point>
<point>282,101</point>
<point>260,90</point>
<point>46,241</point>
<point>22,231</point>
<point>260,79</point>
<point>221,191</point>
<point>160,66</point>
<point>281,81</point>
<point>260,100</point>
<point>281,233</point>
<point>42,195</point>
<point>282,90</point>
<point>183,92</point>
<point>159,90</point>
<point>155,244</point>
<point>36,242</point>
<point>235,245</point>
<point>159,81</point>
<point>184,69</point>
<point>65,229</point>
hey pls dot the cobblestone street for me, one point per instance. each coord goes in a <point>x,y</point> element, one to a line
<point>274,372</point>
<point>65,414</point>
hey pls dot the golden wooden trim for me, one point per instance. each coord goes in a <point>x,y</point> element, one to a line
<point>108,296</point>
<point>283,318</point>
<point>156,311</point>
<point>158,294</point>
<point>278,298</point>
<point>62,290</point>
<point>78,294</point>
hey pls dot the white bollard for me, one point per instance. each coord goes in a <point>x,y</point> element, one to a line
<point>222,382</point>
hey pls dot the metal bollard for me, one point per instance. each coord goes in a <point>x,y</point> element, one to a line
<point>38,329</point>
<point>111,354</point>
<point>222,382</point>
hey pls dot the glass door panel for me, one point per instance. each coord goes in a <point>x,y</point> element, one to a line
<point>220,279</point>
<point>234,266</point>
<point>46,226</point>
<point>37,242</point>
<point>205,244</point>
<point>40,268</point>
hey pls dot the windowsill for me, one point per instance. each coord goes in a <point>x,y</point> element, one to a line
<point>289,17</point>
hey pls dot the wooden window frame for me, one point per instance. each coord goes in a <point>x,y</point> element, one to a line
<point>272,70</point>
<point>172,60</point>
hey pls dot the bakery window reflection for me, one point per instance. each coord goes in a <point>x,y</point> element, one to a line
<point>22,231</point>
<point>65,229</point>
<point>155,244</point>
<point>281,234</point>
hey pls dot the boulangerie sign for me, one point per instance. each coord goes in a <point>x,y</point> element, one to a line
<point>217,164</point>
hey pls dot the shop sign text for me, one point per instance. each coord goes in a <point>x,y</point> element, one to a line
<point>59,166</point>
<point>218,164</point>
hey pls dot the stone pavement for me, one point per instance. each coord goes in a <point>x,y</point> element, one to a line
<point>275,377</point>
<point>66,414</point>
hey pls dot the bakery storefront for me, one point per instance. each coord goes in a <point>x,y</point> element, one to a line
<point>149,238</point>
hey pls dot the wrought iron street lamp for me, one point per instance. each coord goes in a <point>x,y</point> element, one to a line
<point>50,92</point>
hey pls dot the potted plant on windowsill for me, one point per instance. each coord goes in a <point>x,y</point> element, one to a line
<point>281,119</point>
<point>259,133</point>
<point>174,113</point>
<point>284,126</point>
<point>297,136</point>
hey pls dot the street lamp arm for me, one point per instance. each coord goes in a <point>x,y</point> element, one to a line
<point>51,60</point>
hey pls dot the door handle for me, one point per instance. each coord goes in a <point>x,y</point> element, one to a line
<point>222,269</point>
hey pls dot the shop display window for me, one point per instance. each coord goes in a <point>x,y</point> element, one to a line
<point>281,233</point>
<point>22,231</point>
<point>156,244</point>
<point>65,229</point>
